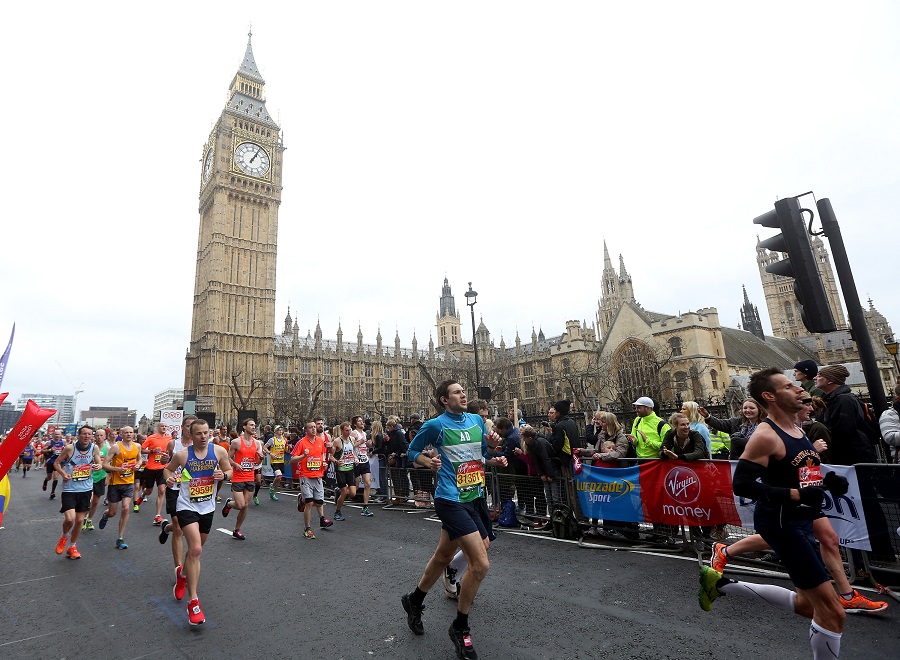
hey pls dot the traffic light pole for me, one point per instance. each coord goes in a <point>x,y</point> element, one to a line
<point>854,308</point>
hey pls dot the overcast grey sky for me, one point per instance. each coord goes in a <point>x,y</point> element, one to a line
<point>494,142</point>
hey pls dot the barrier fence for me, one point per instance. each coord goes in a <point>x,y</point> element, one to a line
<point>670,507</point>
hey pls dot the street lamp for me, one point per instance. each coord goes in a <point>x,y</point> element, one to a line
<point>891,347</point>
<point>471,297</point>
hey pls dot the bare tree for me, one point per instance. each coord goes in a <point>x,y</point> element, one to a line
<point>297,400</point>
<point>242,393</point>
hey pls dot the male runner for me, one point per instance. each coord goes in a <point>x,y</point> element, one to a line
<point>52,450</point>
<point>276,447</point>
<point>309,456</point>
<point>194,471</point>
<point>166,527</point>
<point>851,600</point>
<point>26,458</point>
<point>459,438</point>
<point>780,470</point>
<point>246,454</point>
<point>123,458</point>
<point>99,478</point>
<point>362,470</point>
<point>74,465</point>
<point>344,458</point>
<point>154,448</point>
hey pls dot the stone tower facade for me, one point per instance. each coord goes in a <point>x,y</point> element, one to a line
<point>449,330</point>
<point>616,288</point>
<point>750,317</point>
<point>779,292</point>
<point>233,326</point>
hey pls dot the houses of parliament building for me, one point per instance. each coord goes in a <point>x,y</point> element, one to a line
<point>236,360</point>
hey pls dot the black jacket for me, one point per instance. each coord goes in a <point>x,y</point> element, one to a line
<point>844,418</point>
<point>565,429</point>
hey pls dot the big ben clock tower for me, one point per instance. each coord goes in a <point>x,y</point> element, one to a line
<point>229,361</point>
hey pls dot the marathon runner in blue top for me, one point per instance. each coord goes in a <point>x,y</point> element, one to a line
<point>454,446</point>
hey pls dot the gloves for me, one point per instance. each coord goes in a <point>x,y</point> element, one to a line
<point>835,484</point>
<point>812,496</point>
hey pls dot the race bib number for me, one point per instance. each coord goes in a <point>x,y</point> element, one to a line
<point>470,475</point>
<point>809,475</point>
<point>278,455</point>
<point>81,472</point>
<point>128,469</point>
<point>313,464</point>
<point>201,489</point>
<point>246,465</point>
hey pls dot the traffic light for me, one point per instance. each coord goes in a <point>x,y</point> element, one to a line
<point>800,263</point>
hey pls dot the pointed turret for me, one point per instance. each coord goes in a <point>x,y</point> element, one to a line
<point>287,322</point>
<point>397,343</point>
<point>750,317</point>
<point>415,345</point>
<point>247,90</point>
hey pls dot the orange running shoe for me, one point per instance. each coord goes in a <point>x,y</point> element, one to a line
<point>61,545</point>
<point>719,558</point>
<point>859,604</point>
<point>72,553</point>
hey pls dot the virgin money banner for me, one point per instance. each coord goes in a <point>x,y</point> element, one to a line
<point>680,493</point>
<point>610,493</point>
<point>30,421</point>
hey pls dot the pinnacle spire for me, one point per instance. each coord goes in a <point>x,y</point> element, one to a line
<point>607,262</point>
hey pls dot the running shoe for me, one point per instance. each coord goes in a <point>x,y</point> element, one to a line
<point>195,614</point>
<point>308,533</point>
<point>103,520</point>
<point>273,496</point>
<point>325,523</point>
<point>451,586</point>
<point>137,507</point>
<point>708,591</point>
<point>256,500</point>
<point>121,545</point>
<point>237,535</point>
<point>300,504</point>
<point>413,614</point>
<point>366,512</point>
<point>157,521</point>
<point>719,558</point>
<point>462,640</point>
<point>61,545</point>
<point>72,553</point>
<point>859,604</point>
<point>227,508</point>
<point>88,525</point>
<point>218,499</point>
<point>52,496</point>
<point>44,487</point>
<point>339,516</point>
<point>164,531</point>
<point>180,583</point>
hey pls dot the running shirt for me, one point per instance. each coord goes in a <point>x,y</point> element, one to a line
<point>198,489</point>
<point>56,447</point>
<point>345,457</point>
<point>176,447</point>
<point>460,441</point>
<point>100,475</point>
<point>127,459</point>
<point>277,446</point>
<point>313,466</point>
<point>248,458</point>
<point>27,453</point>
<point>362,451</point>
<point>78,467</point>
<point>799,468</point>
<point>157,444</point>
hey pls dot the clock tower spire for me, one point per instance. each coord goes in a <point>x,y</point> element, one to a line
<point>233,327</point>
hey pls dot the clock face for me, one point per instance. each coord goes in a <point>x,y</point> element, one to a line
<point>251,159</point>
<point>208,165</point>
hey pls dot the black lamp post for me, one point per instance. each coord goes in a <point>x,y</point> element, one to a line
<point>891,347</point>
<point>471,297</point>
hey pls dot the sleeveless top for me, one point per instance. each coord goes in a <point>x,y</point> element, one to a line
<point>197,490</point>
<point>248,458</point>
<point>362,451</point>
<point>126,458</point>
<point>799,468</point>
<point>78,467</point>
<point>345,458</point>
<point>277,451</point>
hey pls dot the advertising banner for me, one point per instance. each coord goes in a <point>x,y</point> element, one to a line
<point>172,420</point>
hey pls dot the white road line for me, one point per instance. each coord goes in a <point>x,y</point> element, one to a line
<point>28,639</point>
<point>223,530</point>
<point>49,577</point>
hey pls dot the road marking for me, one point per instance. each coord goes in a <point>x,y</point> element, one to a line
<point>49,577</point>
<point>28,639</point>
<point>223,530</point>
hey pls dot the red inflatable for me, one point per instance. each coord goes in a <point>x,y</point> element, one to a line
<point>3,396</point>
<point>30,421</point>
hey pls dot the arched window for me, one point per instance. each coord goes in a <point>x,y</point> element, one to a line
<point>789,311</point>
<point>675,344</point>
<point>633,369</point>
<point>714,377</point>
<point>680,382</point>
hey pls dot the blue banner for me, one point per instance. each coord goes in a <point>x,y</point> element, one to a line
<point>5,358</point>
<point>610,493</point>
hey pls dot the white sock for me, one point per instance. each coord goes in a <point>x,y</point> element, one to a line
<point>460,564</point>
<point>824,643</point>
<point>777,596</point>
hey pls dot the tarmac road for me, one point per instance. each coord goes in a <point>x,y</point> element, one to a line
<point>278,595</point>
